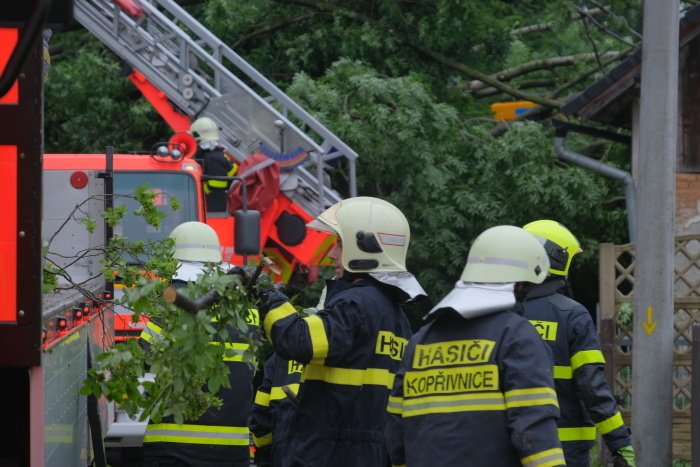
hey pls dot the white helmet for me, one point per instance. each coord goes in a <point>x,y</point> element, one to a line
<point>196,241</point>
<point>375,234</point>
<point>204,129</point>
<point>506,253</point>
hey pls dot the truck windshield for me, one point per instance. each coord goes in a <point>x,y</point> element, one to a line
<point>168,185</point>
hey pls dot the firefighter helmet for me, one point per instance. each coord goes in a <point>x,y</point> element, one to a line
<point>374,234</point>
<point>196,241</point>
<point>559,243</point>
<point>204,129</point>
<point>506,253</point>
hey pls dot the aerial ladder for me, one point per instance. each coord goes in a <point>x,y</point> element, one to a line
<point>199,75</point>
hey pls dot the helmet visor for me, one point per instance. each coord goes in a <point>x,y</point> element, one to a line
<point>327,221</point>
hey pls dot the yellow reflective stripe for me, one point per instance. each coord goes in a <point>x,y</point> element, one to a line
<point>220,184</point>
<point>612,423</point>
<point>586,357</point>
<point>319,340</point>
<point>197,434</point>
<point>562,372</point>
<point>277,314</point>
<point>530,397</point>
<point>277,393</point>
<point>453,403</point>
<point>395,405</point>
<point>151,333</point>
<point>581,433</point>
<point>236,351</point>
<point>262,441</point>
<point>262,398</point>
<point>349,376</point>
<point>549,458</point>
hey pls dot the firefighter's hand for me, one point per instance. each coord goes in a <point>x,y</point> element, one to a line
<point>624,457</point>
<point>270,297</point>
<point>243,272</point>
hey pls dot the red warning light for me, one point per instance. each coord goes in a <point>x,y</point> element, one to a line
<point>78,179</point>
<point>62,323</point>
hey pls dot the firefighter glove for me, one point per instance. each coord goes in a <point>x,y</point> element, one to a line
<point>269,297</point>
<point>624,457</point>
<point>244,273</point>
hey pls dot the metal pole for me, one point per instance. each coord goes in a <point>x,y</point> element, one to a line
<point>652,366</point>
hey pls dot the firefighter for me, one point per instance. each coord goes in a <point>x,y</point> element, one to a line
<point>220,437</point>
<point>274,409</point>
<point>472,389</point>
<point>214,160</point>
<point>275,406</point>
<point>586,400</point>
<point>352,346</point>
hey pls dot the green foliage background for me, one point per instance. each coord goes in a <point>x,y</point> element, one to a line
<point>375,72</point>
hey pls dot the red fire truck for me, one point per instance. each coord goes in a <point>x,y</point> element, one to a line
<point>47,340</point>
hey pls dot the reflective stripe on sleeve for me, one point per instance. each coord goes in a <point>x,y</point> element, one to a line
<point>456,403</point>
<point>348,376</point>
<point>281,312</point>
<point>234,352</point>
<point>319,339</point>
<point>531,397</point>
<point>549,458</point>
<point>395,405</point>
<point>262,441</point>
<point>612,423</point>
<point>151,333</point>
<point>562,372</point>
<point>580,433</point>
<point>262,398</point>
<point>586,357</point>
<point>218,184</point>
<point>276,392</point>
<point>197,434</point>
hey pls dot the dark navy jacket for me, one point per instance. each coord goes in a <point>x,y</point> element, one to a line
<point>474,393</point>
<point>586,400</point>
<point>273,409</point>
<point>351,350</point>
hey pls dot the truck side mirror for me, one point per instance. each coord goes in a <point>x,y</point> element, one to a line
<point>246,235</point>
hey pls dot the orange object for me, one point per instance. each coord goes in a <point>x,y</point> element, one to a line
<point>8,234</point>
<point>510,110</point>
<point>8,42</point>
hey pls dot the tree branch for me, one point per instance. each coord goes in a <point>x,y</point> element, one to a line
<point>527,84</point>
<point>624,54</point>
<point>533,28</point>
<point>528,67</point>
<point>435,56</point>
<point>271,28</point>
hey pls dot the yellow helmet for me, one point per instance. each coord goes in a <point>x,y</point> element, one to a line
<point>204,129</point>
<point>196,241</point>
<point>559,243</point>
<point>505,253</point>
<point>374,232</point>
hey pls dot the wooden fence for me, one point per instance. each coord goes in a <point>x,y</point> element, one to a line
<point>616,329</point>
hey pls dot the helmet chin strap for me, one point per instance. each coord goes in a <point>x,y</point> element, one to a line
<point>353,276</point>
